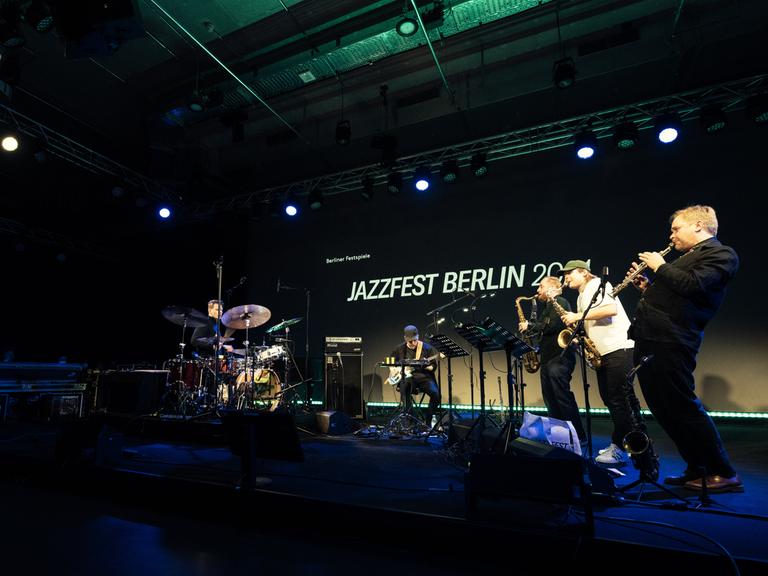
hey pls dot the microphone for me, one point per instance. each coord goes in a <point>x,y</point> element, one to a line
<point>278,283</point>
<point>603,280</point>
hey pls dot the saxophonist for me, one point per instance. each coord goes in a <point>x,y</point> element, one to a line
<point>556,368</point>
<point>606,325</point>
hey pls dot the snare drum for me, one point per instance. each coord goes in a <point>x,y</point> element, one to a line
<point>271,353</point>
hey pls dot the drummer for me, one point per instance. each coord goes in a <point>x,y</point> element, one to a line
<point>203,338</point>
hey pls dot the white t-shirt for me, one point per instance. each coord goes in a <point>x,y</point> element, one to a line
<point>609,334</point>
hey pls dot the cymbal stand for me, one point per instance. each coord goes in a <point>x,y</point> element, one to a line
<point>220,305</point>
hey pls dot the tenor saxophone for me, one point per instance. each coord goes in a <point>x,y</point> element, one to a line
<point>531,361</point>
<point>565,338</point>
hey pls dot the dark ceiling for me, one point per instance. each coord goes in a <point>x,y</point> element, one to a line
<point>276,76</point>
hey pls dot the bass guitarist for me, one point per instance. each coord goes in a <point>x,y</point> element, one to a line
<point>418,378</point>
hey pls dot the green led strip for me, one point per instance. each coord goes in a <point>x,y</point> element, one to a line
<point>601,411</point>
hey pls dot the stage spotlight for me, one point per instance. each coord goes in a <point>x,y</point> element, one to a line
<point>195,102</point>
<point>757,108</point>
<point>407,27</point>
<point>626,136</point>
<point>667,128</point>
<point>290,209</point>
<point>712,119</point>
<point>164,213</point>
<point>421,178</point>
<point>478,165</point>
<point>10,143</point>
<point>10,35</point>
<point>367,191</point>
<point>449,171</point>
<point>38,15</point>
<point>343,132</point>
<point>585,144</point>
<point>394,183</point>
<point>564,73</point>
<point>315,199</point>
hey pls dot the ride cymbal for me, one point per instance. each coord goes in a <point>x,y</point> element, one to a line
<point>182,315</point>
<point>247,315</point>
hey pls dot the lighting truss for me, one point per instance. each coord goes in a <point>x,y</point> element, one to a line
<point>688,105</point>
<point>85,158</point>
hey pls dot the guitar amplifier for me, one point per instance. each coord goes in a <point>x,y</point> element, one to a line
<point>343,344</point>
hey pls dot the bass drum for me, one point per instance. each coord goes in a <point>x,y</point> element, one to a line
<point>257,388</point>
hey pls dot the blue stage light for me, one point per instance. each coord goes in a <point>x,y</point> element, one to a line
<point>164,213</point>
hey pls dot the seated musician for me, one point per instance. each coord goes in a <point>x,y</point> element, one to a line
<point>418,378</point>
<point>215,309</point>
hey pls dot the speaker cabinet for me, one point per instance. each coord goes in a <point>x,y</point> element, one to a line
<point>344,383</point>
<point>334,422</point>
<point>134,393</point>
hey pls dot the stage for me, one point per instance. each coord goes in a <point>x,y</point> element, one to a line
<point>168,497</point>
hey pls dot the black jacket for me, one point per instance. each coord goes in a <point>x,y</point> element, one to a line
<point>684,295</point>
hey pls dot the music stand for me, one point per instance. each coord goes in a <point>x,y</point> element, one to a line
<point>449,349</point>
<point>482,339</point>
<point>514,347</point>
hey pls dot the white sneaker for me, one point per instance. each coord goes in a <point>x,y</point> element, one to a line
<point>604,450</point>
<point>613,456</point>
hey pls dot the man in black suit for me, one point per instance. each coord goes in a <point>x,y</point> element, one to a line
<point>668,328</point>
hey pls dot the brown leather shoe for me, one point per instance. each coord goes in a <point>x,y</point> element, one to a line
<point>717,484</point>
<point>682,479</point>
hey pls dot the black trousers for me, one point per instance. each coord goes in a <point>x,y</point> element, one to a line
<point>668,387</point>
<point>611,379</point>
<point>420,385</point>
<point>556,389</point>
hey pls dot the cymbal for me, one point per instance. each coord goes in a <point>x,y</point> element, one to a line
<point>211,341</point>
<point>180,314</point>
<point>284,324</point>
<point>242,351</point>
<point>236,317</point>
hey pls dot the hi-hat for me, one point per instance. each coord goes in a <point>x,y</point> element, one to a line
<point>211,341</point>
<point>182,315</point>
<point>247,315</point>
<point>284,324</point>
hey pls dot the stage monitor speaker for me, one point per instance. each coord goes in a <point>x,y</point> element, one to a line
<point>344,383</point>
<point>135,393</point>
<point>334,422</point>
<point>259,435</point>
<point>529,489</point>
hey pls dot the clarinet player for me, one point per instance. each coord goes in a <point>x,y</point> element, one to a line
<point>669,324</point>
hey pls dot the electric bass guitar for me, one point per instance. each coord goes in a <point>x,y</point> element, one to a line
<point>396,370</point>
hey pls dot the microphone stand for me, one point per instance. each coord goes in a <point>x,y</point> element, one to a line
<point>578,330</point>
<point>434,313</point>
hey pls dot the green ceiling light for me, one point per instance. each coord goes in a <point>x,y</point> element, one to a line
<point>407,27</point>
<point>626,136</point>
<point>712,119</point>
<point>478,165</point>
<point>757,108</point>
<point>564,73</point>
<point>316,199</point>
<point>449,171</point>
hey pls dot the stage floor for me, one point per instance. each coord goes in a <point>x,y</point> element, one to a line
<point>168,506</point>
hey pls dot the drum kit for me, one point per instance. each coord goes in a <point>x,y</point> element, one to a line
<point>220,376</point>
